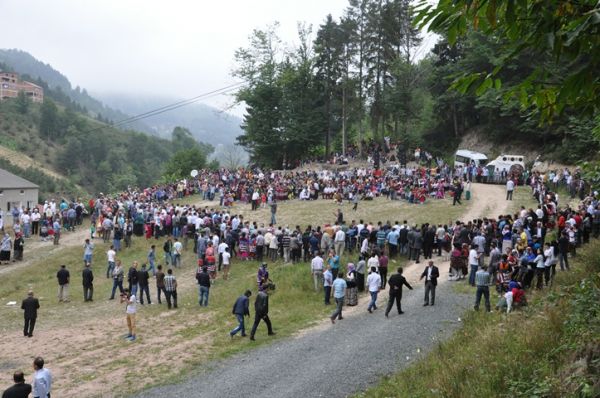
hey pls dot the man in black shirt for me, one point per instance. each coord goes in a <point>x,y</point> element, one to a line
<point>132,278</point>
<point>203,286</point>
<point>63,277</point>
<point>20,389</point>
<point>563,251</point>
<point>261,311</point>
<point>87,277</point>
<point>30,306</point>
<point>143,280</point>
<point>396,282</point>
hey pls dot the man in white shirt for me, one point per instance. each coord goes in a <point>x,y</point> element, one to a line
<point>339,242</point>
<point>373,262</point>
<point>226,256</point>
<point>316,269</point>
<point>177,251</point>
<point>221,249</point>
<point>42,379</point>
<point>111,254</point>
<point>374,284</point>
<point>473,263</point>
<point>510,187</point>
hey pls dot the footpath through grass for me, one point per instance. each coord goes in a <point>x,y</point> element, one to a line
<point>549,349</point>
<point>82,342</point>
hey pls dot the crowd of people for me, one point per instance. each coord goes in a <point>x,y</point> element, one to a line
<point>511,252</point>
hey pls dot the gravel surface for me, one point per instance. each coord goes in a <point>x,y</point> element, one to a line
<point>335,361</point>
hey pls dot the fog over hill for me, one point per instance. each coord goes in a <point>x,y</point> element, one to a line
<point>207,124</point>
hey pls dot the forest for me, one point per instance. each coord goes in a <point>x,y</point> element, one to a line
<point>365,76</point>
<point>92,155</point>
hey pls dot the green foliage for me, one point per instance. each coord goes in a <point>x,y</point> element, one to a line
<point>49,124</point>
<point>565,31</point>
<point>22,103</point>
<point>183,162</point>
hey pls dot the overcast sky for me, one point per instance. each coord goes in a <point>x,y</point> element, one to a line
<point>179,48</point>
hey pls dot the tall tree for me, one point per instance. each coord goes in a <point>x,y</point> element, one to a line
<point>257,65</point>
<point>49,123</point>
<point>329,51</point>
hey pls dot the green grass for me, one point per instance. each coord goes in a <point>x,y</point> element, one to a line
<point>549,349</point>
<point>171,344</point>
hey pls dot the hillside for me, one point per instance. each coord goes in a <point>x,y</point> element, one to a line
<point>66,152</point>
<point>206,123</point>
<point>46,76</point>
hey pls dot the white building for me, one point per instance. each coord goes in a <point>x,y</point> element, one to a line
<point>16,192</point>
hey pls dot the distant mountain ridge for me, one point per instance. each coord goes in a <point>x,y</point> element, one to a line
<point>206,123</point>
<point>26,64</point>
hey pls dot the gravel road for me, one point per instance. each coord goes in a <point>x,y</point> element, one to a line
<point>333,361</point>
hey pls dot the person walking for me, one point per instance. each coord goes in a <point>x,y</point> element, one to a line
<point>171,289</point>
<point>374,284</point>
<point>339,293</point>
<point>510,187</point>
<point>88,250</point>
<point>241,309</point>
<point>144,283</point>
<point>203,286</point>
<point>117,275</point>
<point>327,283</point>
<point>130,311</point>
<point>261,312</point>
<point>383,268</point>
<point>87,278</point>
<point>482,280</point>
<point>177,250</point>
<point>30,305</point>
<point>42,379</point>
<point>63,277</point>
<point>396,282</point>
<point>151,257</point>
<point>18,390</point>
<point>273,211</point>
<point>474,259</point>
<point>431,274</point>
<point>226,263</point>
<point>160,283</point>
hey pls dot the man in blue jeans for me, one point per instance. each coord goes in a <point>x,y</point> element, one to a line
<point>241,309</point>
<point>374,284</point>
<point>473,263</point>
<point>203,286</point>
<point>339,292</point>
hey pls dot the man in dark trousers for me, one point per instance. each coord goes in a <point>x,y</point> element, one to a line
<point>87,277</point>
<point>20,389</point>
<point>261,311</point>
<point>132,278</point>
<point>30,306</point>
<point>240,309</point>
<point>430,274</point>
<point>143,281</point>
<point>396,282</point>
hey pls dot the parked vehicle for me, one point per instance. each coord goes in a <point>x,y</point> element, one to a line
<point>465,157</point>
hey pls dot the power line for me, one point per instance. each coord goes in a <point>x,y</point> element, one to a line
<point>172,106</point>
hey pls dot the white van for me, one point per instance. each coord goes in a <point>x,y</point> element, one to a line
<point>465,157</point>
<point>507,163</point>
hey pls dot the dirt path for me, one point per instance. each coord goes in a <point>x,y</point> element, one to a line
<point>36,249</point>
<point>390,343</point>
<point>488,201</point>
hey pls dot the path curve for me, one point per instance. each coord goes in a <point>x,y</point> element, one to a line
<point>345,358</point>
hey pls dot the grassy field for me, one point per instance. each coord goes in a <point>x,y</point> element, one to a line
<point>549,349</point>
<point>82,342</point>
